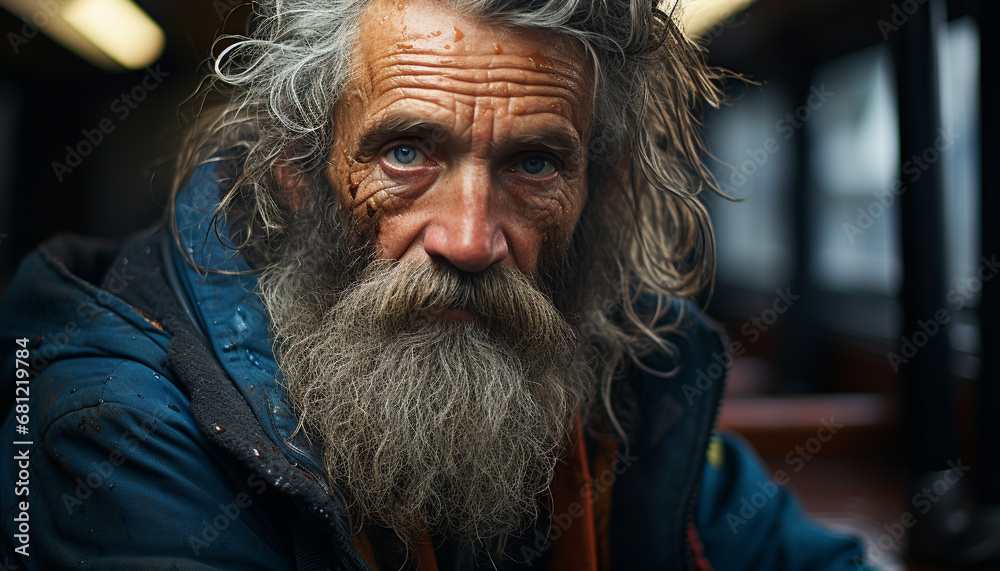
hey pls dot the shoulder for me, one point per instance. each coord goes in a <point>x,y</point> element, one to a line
<point>82,344</point>
<point>748,519</point>
<point>93,389</point>
<point>118,469</point>
<point>691,363</point>
<point>693,337</point>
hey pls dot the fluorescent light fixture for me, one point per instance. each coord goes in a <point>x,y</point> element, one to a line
<point>700,16</point>
<point>111,34</point>
<point>119,28</point>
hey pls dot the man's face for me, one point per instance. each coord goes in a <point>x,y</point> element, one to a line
<point>440,381</point>
<point>462,142</point>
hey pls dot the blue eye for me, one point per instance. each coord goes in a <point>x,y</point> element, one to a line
<point>405,155</point>
<point>536,166</point>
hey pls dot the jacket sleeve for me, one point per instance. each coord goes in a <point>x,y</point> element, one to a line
<point>748,520</point>
<point>121,478</point>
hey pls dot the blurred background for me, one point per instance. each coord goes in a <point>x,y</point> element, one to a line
<point>854,271</point>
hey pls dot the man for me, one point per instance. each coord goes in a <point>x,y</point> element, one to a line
<point>415,306</point>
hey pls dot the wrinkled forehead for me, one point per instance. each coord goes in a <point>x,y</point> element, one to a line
<point>431,38</point>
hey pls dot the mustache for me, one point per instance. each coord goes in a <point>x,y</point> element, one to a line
<point>427,423</point>
<point>505,302</point>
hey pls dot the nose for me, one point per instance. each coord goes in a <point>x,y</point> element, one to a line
<point>466,230</point>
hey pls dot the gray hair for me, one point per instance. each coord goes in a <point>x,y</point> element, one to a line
<point>280,84</point>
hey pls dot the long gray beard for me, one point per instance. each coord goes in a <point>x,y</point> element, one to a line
<point>426,425</point>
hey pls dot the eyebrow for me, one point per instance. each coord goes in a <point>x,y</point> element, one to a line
<point>391,127</point>
<point>559,139</point>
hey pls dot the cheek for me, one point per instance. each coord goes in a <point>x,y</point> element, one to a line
<point>543,219</point>
<point>366,191</point>
<point>548,211</point>
<point>376,202</point>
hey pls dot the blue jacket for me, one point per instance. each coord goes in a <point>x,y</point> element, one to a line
<point>155,433</point>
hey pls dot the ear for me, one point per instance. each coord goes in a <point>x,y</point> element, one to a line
<point>294,184</point>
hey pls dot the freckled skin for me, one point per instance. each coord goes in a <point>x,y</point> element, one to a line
<point>458,149</point>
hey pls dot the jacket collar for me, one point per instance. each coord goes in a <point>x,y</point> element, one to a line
<point>224,296</point>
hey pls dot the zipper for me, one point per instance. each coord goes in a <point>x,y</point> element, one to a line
<point>302,454</point>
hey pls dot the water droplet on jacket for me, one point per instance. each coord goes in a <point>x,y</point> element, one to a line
<point>71,391</point>
<point>252,388</point>
<point>100,401</point>
<point>218,428</point>
<point>257,453</point>
<point>172,406</point>
<point>156,376</point>
<point>240,320</point>
<point>277,481</point>
<point>138,395</point>
<point>111,486</point>
<point>124,261</point>
<point>229,347</point>
<point>254,359</point>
